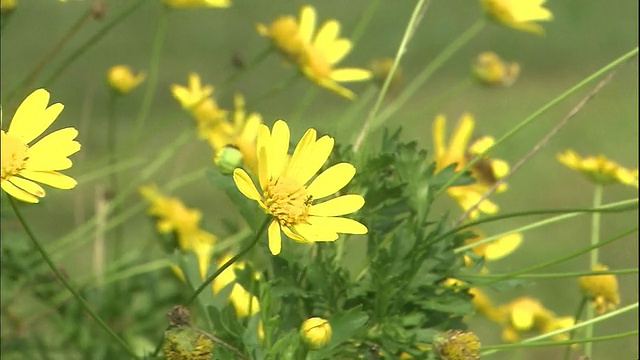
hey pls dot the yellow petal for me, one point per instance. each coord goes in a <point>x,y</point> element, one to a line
<point>278,148</point>
<point>350,74</point>
<point>28,186</point>
<point>335,87</point>
<point>18,193</point>
<point>299,157</point>
<point>316,157</point>
<point>292,235</point>
<point>312,233</point>
<point>307,23</point>
<point>460,138</point>
<point>263,157</point>
<point>331,180</point>
<point>503,246</point>
<point>33,117</point>
<point>245,184</point>
<point>275,241</point>
<point>51,152</point>
<point>338,224</point>
<point>342,205</point>
<point>338,50</point>
<point>51,178</point>
<point>326,36</point>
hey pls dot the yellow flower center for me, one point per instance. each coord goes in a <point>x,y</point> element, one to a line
<point>317,63</point>
<point>14,155</point>
<point>284,33</point>
<point>288,201</point>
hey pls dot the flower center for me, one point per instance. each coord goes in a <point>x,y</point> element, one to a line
<point>14,155</point>
<point>316,61</point>
<point>285,36</point>
<point>288,201</point>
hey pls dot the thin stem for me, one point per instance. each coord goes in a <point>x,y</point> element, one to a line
<point>64,281</point>
<point>114,186</point>
<point>92,41</point>
<point>557,343</point>
<point>414,21</point>
<point>364,21</point>
<point>463,276</point>
<point>154,69</point>
<point>578,315</point>
<point>46,59</point>
<point>593,261</point>
<point>304,103</point>
<point>229,262</point>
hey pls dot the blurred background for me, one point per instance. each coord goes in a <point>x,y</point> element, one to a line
<point>583,37</point>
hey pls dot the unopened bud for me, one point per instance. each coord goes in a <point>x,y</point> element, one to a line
<point>315,332</point>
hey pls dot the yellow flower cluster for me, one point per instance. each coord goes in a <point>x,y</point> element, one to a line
<point>213,123</point>
<point>315,54</point>
<point>599,169</point>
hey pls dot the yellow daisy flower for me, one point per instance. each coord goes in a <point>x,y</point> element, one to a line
<point>122,79</point>
<point>599,169</point>
<point>493,71</point>
<point>601,289</point>
<point>525,314</point>
<point>241,134</point>
<point>198,101</point>
<point>173,216</point>
<point>288,192</point>
<point>22,164</point>
<point>518,14</point>
<point>244,303</point>
<point>486,171</point>
<point>184,4</point>
<point>316,55</point>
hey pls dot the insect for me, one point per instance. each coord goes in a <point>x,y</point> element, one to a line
<point>308,200</point>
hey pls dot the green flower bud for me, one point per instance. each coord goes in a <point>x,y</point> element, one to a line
<point>186,343</point>
<point>457,345</point>
<point>227,159</point>
<point>315,332</point>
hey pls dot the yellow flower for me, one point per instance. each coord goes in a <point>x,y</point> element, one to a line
<point>601,289</point>
<point>381,68</point>
<point>241,134</point>
<point>527,314</point>
<point>173,216</point>
<point>24,164</point>
<point>486,171</point>
<point>316,55</point>
<point>497,248</point>
<point>492,71</point>
<point>288,193</point>
<point>599,169</point>
<point>183,4</point>
<point>7,6</point>
<point>197,100</point>
<point>518,14</point>
<point>457,345</point>
<point>244,303</point>
<point>315,332</point>
<point>121,78</point>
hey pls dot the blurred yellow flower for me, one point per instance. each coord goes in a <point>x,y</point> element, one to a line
<point>244,303</point>
<point>599,169</point>
<point>486,171</point>
<point>491,70</point>
<point>315,332</point>
<point>498,248</point>
<point>182,4</point>
<point>457,345</point>
<point>381,68</point>
<point>525,314</point>
<point>122,79</point>
<point>315,55</point>
<point>22,164</point>
<point>241,134</point>
<point>287,191</point>
<point>198,101</point>
<point>518,14</point>
<point>7,6</point>
<point>173,216</point>
<point>602,290</point>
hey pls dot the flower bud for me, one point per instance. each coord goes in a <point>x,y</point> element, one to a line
<point>227,159</point>
<point>490,70</point>
<point>601,289</point>
<point>122,80</point>
<point>184,342</point>
<point>315,332</point>
<point>7,6</point>
<point>457,345</point>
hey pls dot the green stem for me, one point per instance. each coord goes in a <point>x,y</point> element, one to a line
<point>112,148</point>
<point>536,114</point>
<point>556,343</point>
<point>414,21</point>
<point>304,103</point>
<point>47,58</point>
<point>463,276</point>
<point>92,41</point>
<point>64,281</point>
<point>152,80</point>
<point>593,261</point>
<point>364,21</point>
<point>578,315</point>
